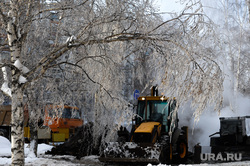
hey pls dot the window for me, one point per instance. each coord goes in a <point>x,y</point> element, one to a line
<point>141,111</point>
<point>157,110</point>
<point>76,114</point>
<point>66,113</point>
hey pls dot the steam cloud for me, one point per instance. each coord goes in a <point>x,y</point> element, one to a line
<point>234,105</point>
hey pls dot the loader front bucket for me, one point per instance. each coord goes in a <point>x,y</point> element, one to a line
<point>130,152</point>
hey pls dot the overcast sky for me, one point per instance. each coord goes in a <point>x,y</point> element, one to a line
<point>167,7</point>
<point>175,6</point>
<point>170,6</point>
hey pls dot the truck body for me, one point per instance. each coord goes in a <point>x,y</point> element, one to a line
<point>62,120</point>
<point>234,136</point>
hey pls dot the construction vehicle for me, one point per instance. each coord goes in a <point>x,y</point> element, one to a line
<point>150,139</point>
<point>57,126</point>
<point>233,137</point>
<point>63,121</point>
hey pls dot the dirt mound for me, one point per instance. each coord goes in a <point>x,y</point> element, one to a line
<point>79,145</point>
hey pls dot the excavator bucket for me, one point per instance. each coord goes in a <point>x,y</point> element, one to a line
<point>130,152</point>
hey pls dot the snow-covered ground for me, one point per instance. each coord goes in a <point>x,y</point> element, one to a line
<point>42,159</point>
<point>49,160</point>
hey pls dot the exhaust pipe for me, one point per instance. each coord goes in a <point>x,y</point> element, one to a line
<point>154,91</point>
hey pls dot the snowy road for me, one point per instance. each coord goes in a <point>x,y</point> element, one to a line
<point>49,160</point>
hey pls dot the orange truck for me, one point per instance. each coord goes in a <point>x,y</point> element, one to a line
<point>62,120</point>
<point>59,123</point>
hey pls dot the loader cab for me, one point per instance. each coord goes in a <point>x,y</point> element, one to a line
<point>155,109</point>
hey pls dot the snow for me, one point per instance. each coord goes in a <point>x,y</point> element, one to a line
<point>22,79</point>
<point>5,87</point>
<point>5,146</point>
<point>21,67</point>
<point>70,40</point>
<point>42,159</point>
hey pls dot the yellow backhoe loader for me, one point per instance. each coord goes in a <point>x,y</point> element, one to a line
<point>155,136</point>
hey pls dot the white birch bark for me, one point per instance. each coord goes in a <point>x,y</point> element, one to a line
<point>33,121</point>
<point>17,118</point>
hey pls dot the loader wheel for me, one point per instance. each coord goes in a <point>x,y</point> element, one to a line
<point>182,151</point>
<point>166,155</point>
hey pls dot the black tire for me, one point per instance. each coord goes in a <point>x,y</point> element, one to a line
<point>182,150</point>
<point>166,155</point>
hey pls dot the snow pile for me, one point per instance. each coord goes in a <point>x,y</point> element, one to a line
<point>42,148</point>
<point>91,158</point>
<point>5,147</point>
<point>154,152</point>
<point>131,150</point>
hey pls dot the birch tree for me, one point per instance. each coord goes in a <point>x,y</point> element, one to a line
<point>98,37</point>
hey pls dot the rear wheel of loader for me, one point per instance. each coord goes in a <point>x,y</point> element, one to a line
<point>166,155</point>
<point>182,151</point>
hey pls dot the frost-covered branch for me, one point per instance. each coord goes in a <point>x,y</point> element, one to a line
<point>93,81</point>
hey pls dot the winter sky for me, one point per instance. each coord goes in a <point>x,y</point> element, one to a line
<point>168,5</point>
<point>171,6</point>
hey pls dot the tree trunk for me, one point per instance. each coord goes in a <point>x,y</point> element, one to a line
<point>33,124</point>
<point>33,138</point>
<point>17,114</point>
<point>17,122</point>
